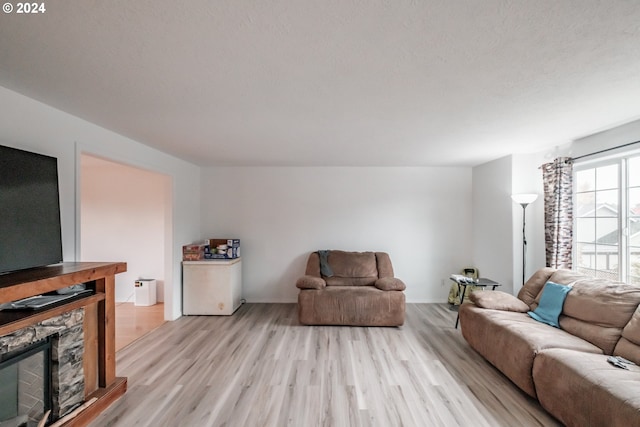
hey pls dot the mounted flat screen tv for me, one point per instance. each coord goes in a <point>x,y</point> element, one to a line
<point>30,231</point>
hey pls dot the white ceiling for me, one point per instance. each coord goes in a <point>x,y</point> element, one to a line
<point>333,82</point>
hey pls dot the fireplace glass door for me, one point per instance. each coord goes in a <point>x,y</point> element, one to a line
<point>25,384</point>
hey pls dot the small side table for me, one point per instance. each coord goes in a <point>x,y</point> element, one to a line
<point>464,282</point>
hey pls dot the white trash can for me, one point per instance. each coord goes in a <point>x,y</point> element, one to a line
<point>145,292</point>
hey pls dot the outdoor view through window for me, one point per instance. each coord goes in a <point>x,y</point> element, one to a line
<point>607,219</point>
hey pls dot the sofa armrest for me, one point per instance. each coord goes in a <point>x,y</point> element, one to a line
<point>390,284</point>
<point>310,282</point>
<point>498,300</point>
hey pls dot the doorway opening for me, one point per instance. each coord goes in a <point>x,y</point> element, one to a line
<point>125,216</point>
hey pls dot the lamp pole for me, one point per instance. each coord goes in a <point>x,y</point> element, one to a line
<point>524,200</point>
<point>524,240</point>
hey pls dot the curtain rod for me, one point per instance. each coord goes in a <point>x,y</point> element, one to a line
<point>601,151</point>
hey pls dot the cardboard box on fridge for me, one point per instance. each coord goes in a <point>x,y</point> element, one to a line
<point>224,249</point>
<point>195,247</point>
<point>231,243</point>
<point>194,252</point>
<point>228,253</point>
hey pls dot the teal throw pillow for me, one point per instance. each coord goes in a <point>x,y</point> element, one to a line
<point>551,302</point>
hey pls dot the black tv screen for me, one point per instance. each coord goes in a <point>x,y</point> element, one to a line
<point>30,231</point>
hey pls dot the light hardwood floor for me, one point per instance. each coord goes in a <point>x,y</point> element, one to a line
<point>260,367</point>
<point>133,322</point>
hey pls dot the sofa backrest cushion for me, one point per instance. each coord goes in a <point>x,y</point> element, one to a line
<point>534,285</point>
<point>629,345</point>
<point>385,268</point>
<point>313,265</point>
<point>352,268</point>
<point>596,310</point>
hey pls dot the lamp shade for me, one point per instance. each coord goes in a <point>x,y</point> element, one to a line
<point>524,199</point>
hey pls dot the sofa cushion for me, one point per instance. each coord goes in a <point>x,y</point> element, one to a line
<point>383,262</point>
<point>352,268</point>
<point>629,345</point>
<point>550,305</point>
<point>350,281</point>
<point>498,300</point>
<point>310,282</point>
<point>582,389</point>
<point>532,288</point>
<point>351,306</point>
<point>511,341</point>
<point>313,265</point>
<point>390,284</point>
<point>597,310</point>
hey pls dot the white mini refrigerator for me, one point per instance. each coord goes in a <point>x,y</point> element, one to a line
<point>211,287</point>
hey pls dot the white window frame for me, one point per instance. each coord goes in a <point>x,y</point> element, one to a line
<point>621,160</point>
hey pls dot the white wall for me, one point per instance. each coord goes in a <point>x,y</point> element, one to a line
<point>420,216</point>
<point>31,125</point>
<point>122,217</point>
<point>492,207</point>
<point>614,137</point>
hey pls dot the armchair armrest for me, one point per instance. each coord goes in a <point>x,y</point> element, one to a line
<point>310,282</point>
<point>390,284</point>
<point>498,300</point>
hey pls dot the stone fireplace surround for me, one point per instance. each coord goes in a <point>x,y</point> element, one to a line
<point>67,349</point>
<point>101,385</point>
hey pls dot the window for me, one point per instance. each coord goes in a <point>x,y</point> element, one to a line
<point>607,219</point>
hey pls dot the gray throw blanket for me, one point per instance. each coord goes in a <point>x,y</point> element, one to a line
<point>325,269</point>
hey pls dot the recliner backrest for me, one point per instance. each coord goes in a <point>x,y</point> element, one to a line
<point>352,268</point>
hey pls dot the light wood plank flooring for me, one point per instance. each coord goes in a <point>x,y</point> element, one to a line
<point>133,322</point>
<point>260,367</point>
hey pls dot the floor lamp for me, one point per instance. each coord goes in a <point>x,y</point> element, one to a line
<point>524,200</point>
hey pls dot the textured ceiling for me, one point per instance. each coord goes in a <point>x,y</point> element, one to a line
<point>333,82</point>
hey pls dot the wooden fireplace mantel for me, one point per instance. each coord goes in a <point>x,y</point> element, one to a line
<point>99,357</point>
